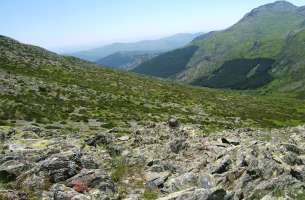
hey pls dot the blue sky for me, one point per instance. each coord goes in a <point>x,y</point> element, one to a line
<point>74,24</point>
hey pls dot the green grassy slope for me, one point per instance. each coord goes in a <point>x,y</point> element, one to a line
<point>262,33</point>
<point>168,64</point>
<point>41,87</point>
<point>289,69</point>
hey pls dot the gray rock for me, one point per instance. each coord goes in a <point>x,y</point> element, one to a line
<point>35,183</point>
<point>123,138</point>
<point>13,195</point>
<point>16,147</point>
<point>161,166</point>
<point>293,148</point>
<point>3,136</point>
<point>95,178</point>
<point>217,195</point>
<point>177,145</point>
<point>298,173</point>
<point>115,150</point>
<point>12,168</point>
<point>173,122</point>
<point>88,162</point>
<point>96,194</point>
<point>7,157</point>
<point>292,159</point>
<point>81,197</point>
<point>100,139</point>
<point>187,194</point>
<point>269,197</point>
<point>61,192</point>
<point>196,194</point>
<point>156,180</point>
<point>181,182</point>
<point>230,141</point>
<point>223,166</point>
<point>60,168</point>
<point>206,181</point>
<point>283,182</point>
<point>34,129</point>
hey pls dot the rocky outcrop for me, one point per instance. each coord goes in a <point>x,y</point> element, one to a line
<point>60,168</point>
<point>97,179</point>
<point>159,161</point>
<point>239,164</point>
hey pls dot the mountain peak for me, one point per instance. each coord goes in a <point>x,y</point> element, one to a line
<point>278,6</point>
<point>282,2</point>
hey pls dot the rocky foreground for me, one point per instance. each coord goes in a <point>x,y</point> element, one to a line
<point>159,161</point>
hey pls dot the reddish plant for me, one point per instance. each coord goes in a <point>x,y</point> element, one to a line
<point>80,186</point>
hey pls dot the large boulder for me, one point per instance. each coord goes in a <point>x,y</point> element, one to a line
<point>95,178</point>
<point>11,169</point>
<point>60,168</point>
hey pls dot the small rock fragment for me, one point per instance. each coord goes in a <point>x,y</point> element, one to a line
<point>173,122</point>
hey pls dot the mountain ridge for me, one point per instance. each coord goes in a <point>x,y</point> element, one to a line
<point>162,44</point>
<point>261,33</point>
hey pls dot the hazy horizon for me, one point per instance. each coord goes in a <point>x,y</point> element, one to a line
<point>72,25</point>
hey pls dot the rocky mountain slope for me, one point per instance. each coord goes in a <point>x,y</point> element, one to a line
<point>159,45</point>
<point>266,32</point>
<point>127,60</point>
<point>70,129</point>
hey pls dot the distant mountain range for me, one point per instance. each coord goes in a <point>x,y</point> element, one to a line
<point>266,48</point>
<point>145,46</point>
